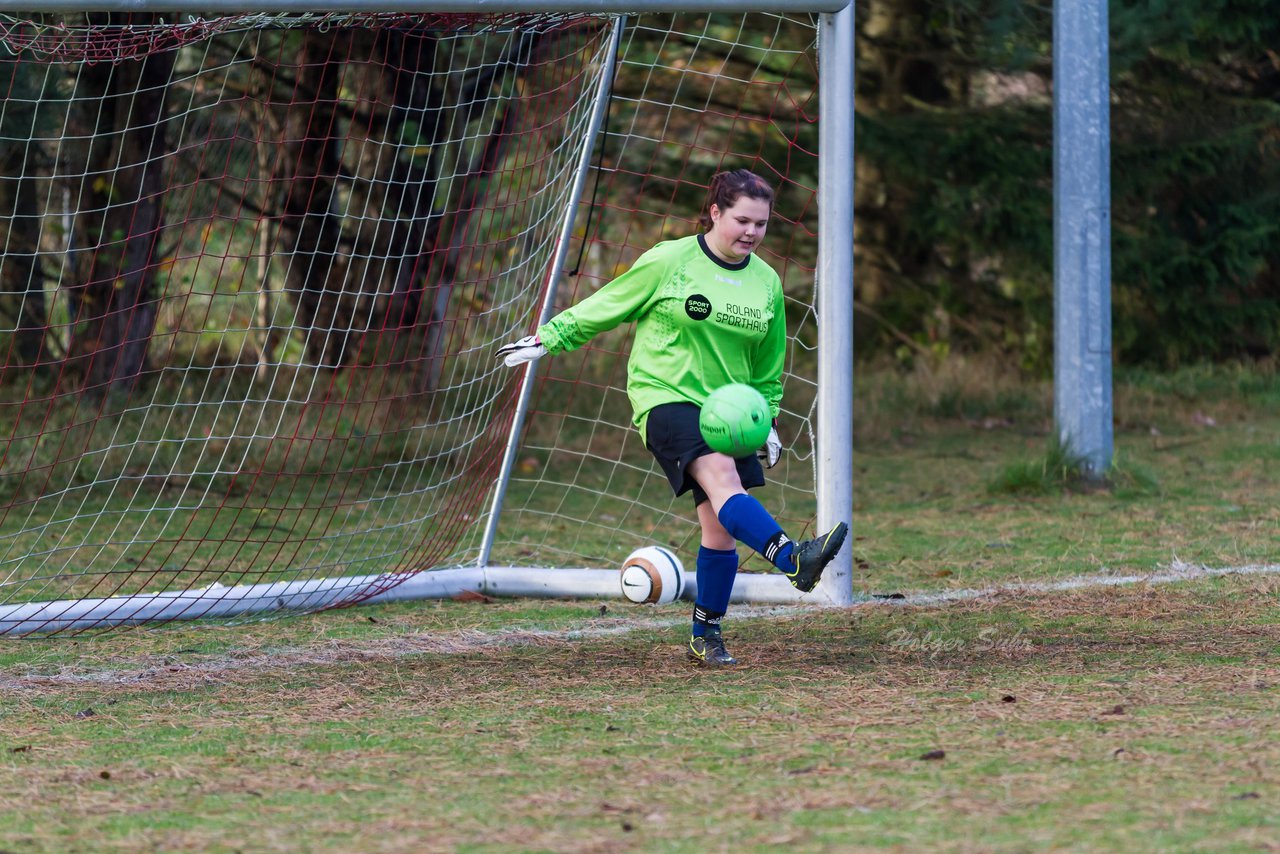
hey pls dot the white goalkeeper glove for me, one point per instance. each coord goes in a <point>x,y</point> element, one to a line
<point>772,450</point>
<point>526,349</point>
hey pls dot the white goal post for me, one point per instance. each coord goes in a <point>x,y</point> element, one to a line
<point>255,264</point>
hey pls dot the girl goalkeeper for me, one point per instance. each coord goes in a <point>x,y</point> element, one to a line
<point>708,312</point>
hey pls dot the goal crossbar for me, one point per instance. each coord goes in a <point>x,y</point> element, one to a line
<point>473,7</point>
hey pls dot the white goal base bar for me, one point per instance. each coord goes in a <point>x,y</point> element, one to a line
<point>219,601</point>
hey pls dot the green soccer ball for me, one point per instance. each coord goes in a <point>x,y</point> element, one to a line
<point>735,420</point>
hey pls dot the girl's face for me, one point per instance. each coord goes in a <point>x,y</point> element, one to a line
<point>737,230</point>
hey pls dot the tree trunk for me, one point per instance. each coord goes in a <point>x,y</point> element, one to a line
<point>22,278</point>
<point>316,272</point>
<point>900,71</point>
<point>427,269</point>
<point>120,219</point>
<point>413,57</point>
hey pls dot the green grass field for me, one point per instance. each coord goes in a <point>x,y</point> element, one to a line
<point>1132,717</point>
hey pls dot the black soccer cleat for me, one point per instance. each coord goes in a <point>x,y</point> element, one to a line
<point>709,650</point>
<point>812,556</point>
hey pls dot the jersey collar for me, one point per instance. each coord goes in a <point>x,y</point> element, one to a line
<point>706,250</point>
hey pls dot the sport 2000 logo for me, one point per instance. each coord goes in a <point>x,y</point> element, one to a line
<point>697,307</point>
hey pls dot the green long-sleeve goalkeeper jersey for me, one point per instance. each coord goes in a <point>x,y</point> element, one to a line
<point>700,323</point>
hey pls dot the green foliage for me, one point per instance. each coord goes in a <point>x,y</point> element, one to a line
<point>198,443</point>
<point>954,140</point>
<point>1061,469</point>
<point>1129,479</point>
<point>955,136</point>
<point>33,105</point>
<point>1254,385</point>
<point>1197,133</point>
<point>982,247</point>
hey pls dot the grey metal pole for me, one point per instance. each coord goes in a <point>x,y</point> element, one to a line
<point>1082,407</point>
<point>834,450</point>
<point>219,602</point>
<point>549,302</point>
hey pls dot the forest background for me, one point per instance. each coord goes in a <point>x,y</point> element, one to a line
<point>954,193</point>
<point>954,183</point>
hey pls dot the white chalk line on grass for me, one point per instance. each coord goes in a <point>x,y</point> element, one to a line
<point>1174,573</point>
<point>162,667</point>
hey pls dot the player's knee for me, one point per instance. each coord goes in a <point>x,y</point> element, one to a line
<point>720,541</point>
<point>717,470</point>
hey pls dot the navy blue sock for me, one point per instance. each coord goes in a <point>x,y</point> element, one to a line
<point>704,621</point>
<point>717,570</point>
<point>748,522</point>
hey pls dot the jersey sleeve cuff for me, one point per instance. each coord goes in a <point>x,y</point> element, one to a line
<point>550,336</point>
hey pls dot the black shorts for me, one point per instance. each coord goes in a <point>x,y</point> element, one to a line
<point>672,436</point>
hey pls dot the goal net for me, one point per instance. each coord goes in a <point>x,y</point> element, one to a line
<point>253,270</point>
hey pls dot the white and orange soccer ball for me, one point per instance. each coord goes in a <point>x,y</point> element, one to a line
<point>652,575</point>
